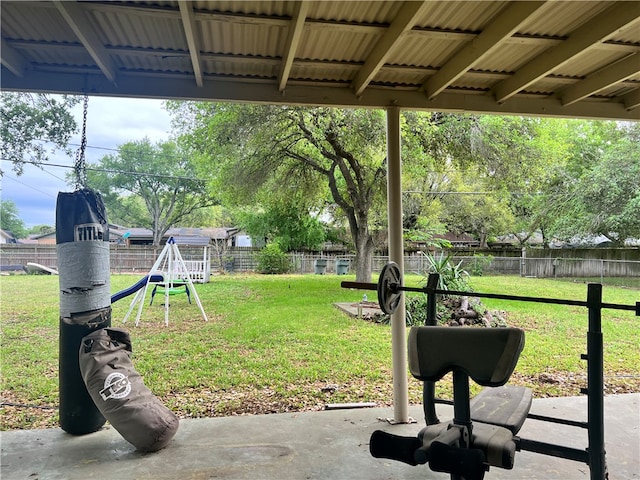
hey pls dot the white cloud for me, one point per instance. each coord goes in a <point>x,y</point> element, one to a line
<point>110,122</point>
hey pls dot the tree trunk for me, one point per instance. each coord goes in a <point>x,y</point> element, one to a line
<point>483,240</point>
<point>364,257</point>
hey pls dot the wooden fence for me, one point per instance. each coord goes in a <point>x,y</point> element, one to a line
<point>535,263</point>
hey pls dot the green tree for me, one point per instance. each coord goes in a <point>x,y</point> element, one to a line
<point>30,122</point>
<point>471,209</point>
<point>289,226</point>
<point>491,166</point>
<point>597,191</point>
<point>318,154</point>
<point>611,189</point>
<point>123,207</point>
<point>10,219</point>
<point>549,141</point>
<point>42,229</point>
<point>207,217</point>
<point>161,177</point>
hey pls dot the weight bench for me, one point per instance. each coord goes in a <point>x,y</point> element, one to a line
<point>482,431</point>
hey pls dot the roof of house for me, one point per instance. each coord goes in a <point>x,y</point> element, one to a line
<point>7,235</point>
<point>182,235</point>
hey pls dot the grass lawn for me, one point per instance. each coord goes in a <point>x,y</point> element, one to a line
<point>277,344</point>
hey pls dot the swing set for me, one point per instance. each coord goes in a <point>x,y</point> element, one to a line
<point>170,276</point>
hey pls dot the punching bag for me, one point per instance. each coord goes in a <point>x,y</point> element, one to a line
<point>82,243</point>
<point>120,393</point>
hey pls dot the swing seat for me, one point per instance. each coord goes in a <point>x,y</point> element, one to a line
<point>173,288</point>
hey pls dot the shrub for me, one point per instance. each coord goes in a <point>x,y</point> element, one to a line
<point>416,307</point>
<point>272,260</point>
<point>452,277</point>
<point>479,263</point>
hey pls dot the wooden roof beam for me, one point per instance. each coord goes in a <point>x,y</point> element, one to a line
<point>595,31</point>
<point>616,73</point>
<point>12,59</point>
<point>632,100</point>
<point>75,16</point>
<point>500,29</point>
<point>189,25</point>
<point>402,23</point>
<point>293,39</point>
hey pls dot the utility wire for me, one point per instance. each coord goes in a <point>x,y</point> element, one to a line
<point>28,186</point>
<point>105,170</point>
<point>112,149</point>
<point>54,176</point>
<point>432,192</point>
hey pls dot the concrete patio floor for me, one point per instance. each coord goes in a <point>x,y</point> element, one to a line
<point>309,445</point>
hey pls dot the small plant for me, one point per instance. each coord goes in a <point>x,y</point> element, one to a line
<point>272,260</point>
<point>479,263</point>
<point>452,277</point>
<point>416,307</point>
<point>228,263</point>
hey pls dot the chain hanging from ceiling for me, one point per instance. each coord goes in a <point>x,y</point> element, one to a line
<point>80,167</point>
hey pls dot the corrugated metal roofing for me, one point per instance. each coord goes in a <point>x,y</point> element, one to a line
<point>563,58</point>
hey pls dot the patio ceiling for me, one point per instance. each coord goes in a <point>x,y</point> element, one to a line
<point>576,59</point>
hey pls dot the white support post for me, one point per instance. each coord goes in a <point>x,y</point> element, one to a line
<point>207,264</point>
<point>139,294</point>
<point>396,254</point>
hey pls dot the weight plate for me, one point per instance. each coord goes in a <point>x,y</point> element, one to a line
<point>388,294</point>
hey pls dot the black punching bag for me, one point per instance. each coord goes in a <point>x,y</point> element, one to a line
<point>82,238</point>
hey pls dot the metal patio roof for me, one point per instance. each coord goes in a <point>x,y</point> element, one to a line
<point>561,58</point>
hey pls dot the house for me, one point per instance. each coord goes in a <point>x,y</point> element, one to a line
<point>223,237</point>
<point>40,239</point>
<point>505,241</point>
<point>7,237</point>
<point>462,240</point>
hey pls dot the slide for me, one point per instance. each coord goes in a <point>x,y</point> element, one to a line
<point>135,287</point>
<point>37,268</point>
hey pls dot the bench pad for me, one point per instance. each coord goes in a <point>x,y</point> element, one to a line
<point>505,406</point>
<point>487,355</point>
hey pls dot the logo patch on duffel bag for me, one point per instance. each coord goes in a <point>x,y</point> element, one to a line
<point>115,386</point>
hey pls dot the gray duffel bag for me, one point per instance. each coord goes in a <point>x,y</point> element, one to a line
<point>120,394</point>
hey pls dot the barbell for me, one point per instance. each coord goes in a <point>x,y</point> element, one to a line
<point>390,288</point>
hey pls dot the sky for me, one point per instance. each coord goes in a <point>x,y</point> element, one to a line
<point>110,123</point>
